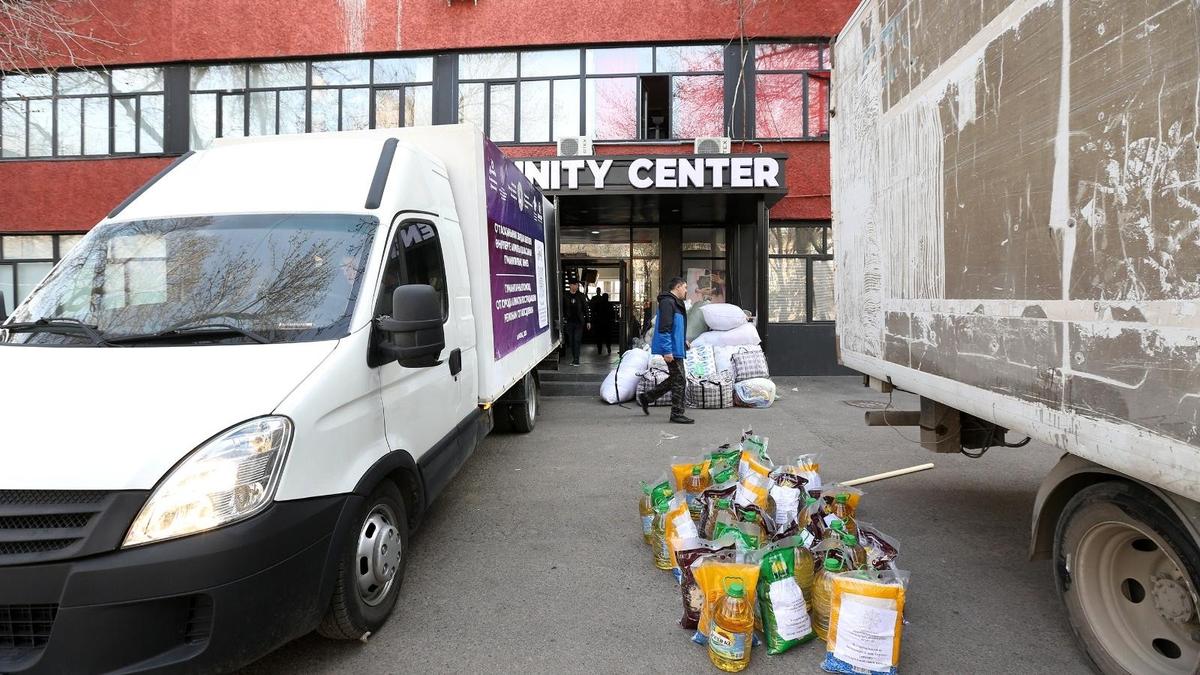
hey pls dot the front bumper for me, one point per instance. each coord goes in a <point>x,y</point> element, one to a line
<point>208,602</point>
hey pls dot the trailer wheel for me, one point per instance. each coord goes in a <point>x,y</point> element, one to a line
<point>371,569</point>
<point>523,416</point>
<point>1127,573</point>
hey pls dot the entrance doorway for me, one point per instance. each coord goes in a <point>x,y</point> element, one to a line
<point>606,283</point>
<point>627,265</point>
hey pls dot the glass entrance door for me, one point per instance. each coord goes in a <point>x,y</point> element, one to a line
<point>626,260</point>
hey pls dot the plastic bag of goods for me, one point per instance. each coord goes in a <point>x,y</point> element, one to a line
<point>865,623</point>
<point>622,382</point>
<point>881,549</point>
<point>692,478</point>
<point>723,316</point>
<point>745,334</point>
<point>700,362</point>
<point>723,355</point>
<point>723,487</point>
<point>749,363</point>
<point>757,392</point>
<point>695,325</point>
<point>810,469</point>
<point>677,525</point>
<point>840,502</point>
<point>756,444</point>
<point>710,572</point>
<point>687,552</point>
<point>724,457</point>
<point>651,379</point>
<point>781,601</point>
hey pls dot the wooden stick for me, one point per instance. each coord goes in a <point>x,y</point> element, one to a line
<point>888,474</point>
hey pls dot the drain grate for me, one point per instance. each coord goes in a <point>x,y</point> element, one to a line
<point>867,405</point>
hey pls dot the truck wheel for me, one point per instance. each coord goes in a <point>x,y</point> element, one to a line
<point>1127,573</point>
<point>371,569</point>
<point>524,415</point>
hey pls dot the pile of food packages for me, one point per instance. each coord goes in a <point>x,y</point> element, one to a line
<point>768,554</point>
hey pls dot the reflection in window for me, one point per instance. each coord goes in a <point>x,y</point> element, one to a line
<point>125,124</point>
<point>566,109</point>
<point>800,274</point>
<point>689,59</point>
<point>554,63</point>
<point>620,60</point>
<point>324,110</point>
<point>697,105</point>
<point>233,115</point>
<point>779,105</point>
<point>25,260</point>
<point>502,112</point>
<point>470,104</point>
<point>788,296</point>
<point>401,71</point>
<point>791,91</point>
<point>823,307</point>
<point>487,66</point>
<point>612,108</point>
<point>355,109</point>
<point>535,111</point>
<point>333,73</point>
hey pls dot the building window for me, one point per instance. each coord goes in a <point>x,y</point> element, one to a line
<point>791,90</point>
<point>26,259</point>
<point>801,273</point>
<point>293,97</point>
<point>704,263</point>
<point>81,113</point>
<point>526,97</point>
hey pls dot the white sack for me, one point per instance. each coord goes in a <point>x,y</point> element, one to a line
<point>746,334</point>
<point>758,392</point>
<point>621,383</point>
<point>723,316</point>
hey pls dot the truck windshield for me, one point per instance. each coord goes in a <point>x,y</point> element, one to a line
<point>202,280</point>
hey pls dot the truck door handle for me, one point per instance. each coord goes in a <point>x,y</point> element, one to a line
<point>455,362</point>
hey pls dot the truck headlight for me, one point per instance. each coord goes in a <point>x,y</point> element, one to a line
<point>231,477</point>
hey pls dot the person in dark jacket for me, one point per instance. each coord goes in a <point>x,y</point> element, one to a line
<point>576,315</point>
<point>670,327</point>
<point>604,318</point>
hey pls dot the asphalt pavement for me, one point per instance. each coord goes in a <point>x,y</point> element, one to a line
<point>532,561</point>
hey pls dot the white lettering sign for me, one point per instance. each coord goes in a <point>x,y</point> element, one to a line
<point>661,173</point>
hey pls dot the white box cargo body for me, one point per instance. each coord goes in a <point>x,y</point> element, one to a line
<point>1016,201</point>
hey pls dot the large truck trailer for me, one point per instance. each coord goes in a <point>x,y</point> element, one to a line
<point>1016,204</point>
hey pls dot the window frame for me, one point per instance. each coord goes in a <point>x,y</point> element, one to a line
<point>516,82</point>
<point>825,254</point>
<point>824,67</point>
<point>399,223</point>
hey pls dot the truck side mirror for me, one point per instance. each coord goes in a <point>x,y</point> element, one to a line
<point>414,334</point>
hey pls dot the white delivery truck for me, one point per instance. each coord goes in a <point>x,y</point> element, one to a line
<point>1016,201</point>
<point>229,405</point>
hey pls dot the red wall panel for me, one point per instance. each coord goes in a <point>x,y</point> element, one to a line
<point>68,196</point>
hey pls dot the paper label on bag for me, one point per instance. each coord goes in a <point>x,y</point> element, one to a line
<point>791,612</point>
<point>865,635</point>
<point>787,504</point>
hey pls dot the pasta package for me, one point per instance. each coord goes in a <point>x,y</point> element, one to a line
<point>865,623</point>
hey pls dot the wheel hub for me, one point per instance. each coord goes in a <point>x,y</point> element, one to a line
<point>378,558</point>
<point>1172,600</point>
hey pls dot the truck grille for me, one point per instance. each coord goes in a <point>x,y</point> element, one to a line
<point>25,627</point>
<point>44,525</point>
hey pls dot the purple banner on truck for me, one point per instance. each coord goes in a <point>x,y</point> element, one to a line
<point>517,253</point>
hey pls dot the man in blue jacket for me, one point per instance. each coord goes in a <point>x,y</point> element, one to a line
<point>668,340</point>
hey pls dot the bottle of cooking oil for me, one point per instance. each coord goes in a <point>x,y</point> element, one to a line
<point>658,528</point>
<point>696,483</point>
<point>823,595</point>
<point>841,509</point>
<point>733,625</point>
<point>646,509</point>
<point>857,554</point>
<point>805,573</point>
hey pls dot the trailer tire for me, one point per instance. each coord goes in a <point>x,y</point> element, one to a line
<point>1127,573</point>
<point>523,416</point>
<point>371,568</point>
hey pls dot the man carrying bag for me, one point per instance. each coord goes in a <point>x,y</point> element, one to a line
<point>668,340</point>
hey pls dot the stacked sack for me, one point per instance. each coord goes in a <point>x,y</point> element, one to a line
<point>767,554</point>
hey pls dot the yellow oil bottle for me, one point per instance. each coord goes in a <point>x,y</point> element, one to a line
<point>841,509</point>
<point>646,509</point>
<point>733,627</point>
<point>823,595</point>
<point>658,530</point>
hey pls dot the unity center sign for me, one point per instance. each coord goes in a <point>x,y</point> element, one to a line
<point>628,175</point>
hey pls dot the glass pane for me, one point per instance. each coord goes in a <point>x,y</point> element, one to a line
<point>26,85</point>
<point>292,108</point>
<point>706,281</point>
<point>691,59</point>
<point>818,104</point>
<point>612,108</point>
<point>787,291</point>
<point>218,77</point>
<point>823,308</point>
<point>389,71</point>
<point>551,63</point>
<point>70,126</point>
<point>129,80</point>
<point>502,112</point>
<point>82,82</point>
<point>233,115</point>
<point>341,72</point>
<point>646,272</point>
<point>645,242</point>
<point>203,122</point>
<point>619,60</point>
<point>487,66</point>
<point>124,124</point>
<point>41,126</point>
<point>697,106</point>
<point>151,126</point>
<point>262,113</point>
<point>785,56</point>
<point>470,104</point>
<point>12,122</point>
<point>28,247</point>
<point>387,108</point>
<point>324,110</point>
<point>418,106</point>
<point>291,74</point>
<point>780,104</point>
<point>535,112</point>
<point>66,242</point>
<point>95,126</point>
<point>703,242</point>
<point>29,275</point>
<point>795,240</point>
<point>355,109</point>
<point>566,108</point>
<point>7,290</point>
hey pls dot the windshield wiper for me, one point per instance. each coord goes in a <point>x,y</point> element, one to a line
<point>58,323</point>
<point>210,329</point>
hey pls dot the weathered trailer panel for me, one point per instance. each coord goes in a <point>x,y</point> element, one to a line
<point>1016,197</point>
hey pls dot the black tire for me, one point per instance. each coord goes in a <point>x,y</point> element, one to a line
<point>523,416</point>
<point>1106,534</point>
<point>352,614</point>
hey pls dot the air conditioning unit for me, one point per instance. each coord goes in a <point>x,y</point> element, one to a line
<point>712,145</point>
<point>575,146</point>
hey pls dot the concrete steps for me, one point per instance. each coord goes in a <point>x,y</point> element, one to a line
<point>570,381</point>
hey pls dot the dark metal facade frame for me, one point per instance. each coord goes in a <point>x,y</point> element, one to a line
<point>825,254</point>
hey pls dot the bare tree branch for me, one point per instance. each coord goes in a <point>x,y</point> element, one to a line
<point>37,33</point>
